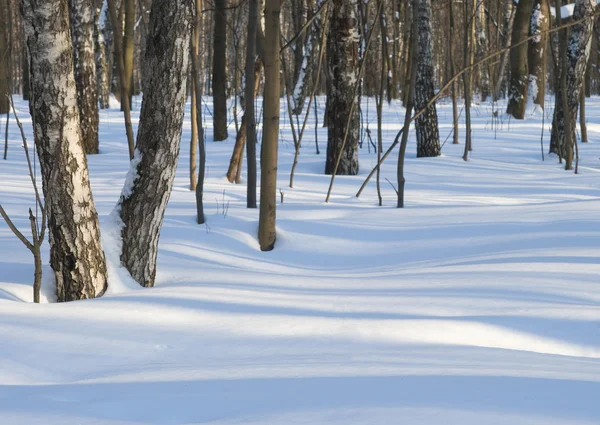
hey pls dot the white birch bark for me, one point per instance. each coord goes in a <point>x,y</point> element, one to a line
<point>143,203</point>
<point>76,254</point>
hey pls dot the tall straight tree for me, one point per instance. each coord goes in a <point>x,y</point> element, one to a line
<point>83,13</point>
<point>4,50</point>
<point>519,69</point>
<point>102,74</point>
<point>426,125</point>
<point>249,98</point>
<point>142,206</point>
<point>268,159</point>
<point>128,48</point>
<point>76,255</point>
<point>342,53</point>
<point>219,74</point>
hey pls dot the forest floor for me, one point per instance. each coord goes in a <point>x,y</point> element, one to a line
<point>477,304</point>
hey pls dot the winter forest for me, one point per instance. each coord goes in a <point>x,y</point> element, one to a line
<point>299,212</point>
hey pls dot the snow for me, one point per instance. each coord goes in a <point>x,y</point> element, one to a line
<point>479,303</point>
<point>566,11</point>
<point>102,15</point>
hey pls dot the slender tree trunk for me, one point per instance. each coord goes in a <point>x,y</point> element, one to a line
<point>469,42</point>
<point>452,71</point>
<point>538,48</point>
<point>76,255</point>
<point>508,26</point>
<point>268,160</point>
<point>298,10</point>
<point>102,74</point>
<point>143,205</point>
<point>37,278</point>
<point>342,54</point>
<point>125,103</point>
<point>106,26</point>
<point>219,75</point>
<point>82,32</point>
<point>519,70</point>
<point>128,49</point>
<point>251,87</point>
<point>305,71</point>
<point>197,86</point>
<point>25,72</point>
<point>428,135</point>
<point>379,101</point>
<point>194,138</point>
<point>242,134</point>
<point>410,84</point>
<point>4,52</point>
<point>482,50</point>
<point>582,123</point>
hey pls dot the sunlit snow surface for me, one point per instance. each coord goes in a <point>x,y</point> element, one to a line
<point>477,304</point>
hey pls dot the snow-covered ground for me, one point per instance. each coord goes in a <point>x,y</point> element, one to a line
<point>477,304</point>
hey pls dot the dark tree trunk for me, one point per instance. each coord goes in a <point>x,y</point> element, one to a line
<point>411,81</point>
<point>249,96</point>
<point>143,205</point>
<point>197,117</point>
<point>428,135</point>
<point>4,51</point>
<point>83,13</point>
<point>451,50</point>
<point>342,54</point>
<point>582,121</point>
<point>219,75</point>
<point>519,70</point>
<point>25,72</point>
<point>469,50</point>
<point>76,255</point>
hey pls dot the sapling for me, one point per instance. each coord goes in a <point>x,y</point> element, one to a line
<point>38,231</point>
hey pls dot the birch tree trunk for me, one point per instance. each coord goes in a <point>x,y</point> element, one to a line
<point>102,74</point>
<point>538,48</point>
<point>482,50</point>
<point>268,160</point>
<point>578,53</point>
<point>76,255</point>
<point>219,75</point>
<point>143,205</point>
<point>519,70</point>
<point>106,27</point>
<point>342,54</point>
<point>305,74</point>
<point>82,32</point>
<point>509,19</point>
<point>428,135</point>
